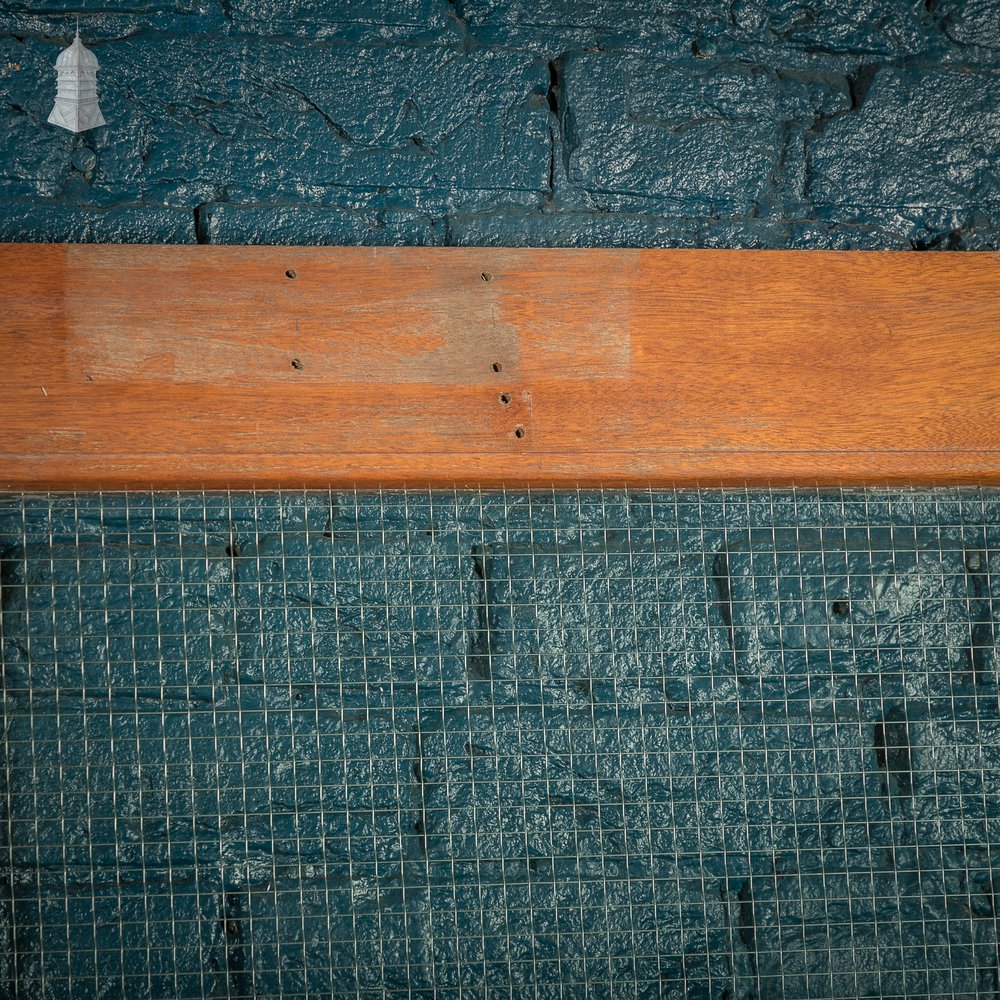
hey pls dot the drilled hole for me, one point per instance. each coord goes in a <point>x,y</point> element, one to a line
<point>487,276</point>
<point>496,366</point>
<point>291,273</point>
<point>233,550</point>
<point>519,432</point>
<point>297,364</point>
<point>505,398</point>
<point>841,608</point>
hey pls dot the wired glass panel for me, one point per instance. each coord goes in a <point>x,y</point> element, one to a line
<point>733,744</point>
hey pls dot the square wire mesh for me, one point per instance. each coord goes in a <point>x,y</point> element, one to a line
<point>647,744</point>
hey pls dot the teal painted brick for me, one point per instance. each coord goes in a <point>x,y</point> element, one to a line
<point>779,28</point>
<point>384,19</point>
<point>920,139</point>
<point>708,138</point>
<point>25,221</point>
<point>256,120</point>
<point>972,26</point>
<point>581,228</point>
<point>252,121</point>
<point>293,224</point>
<point>860,28</point>
<point>720,818</point>
<point>565,122</point>
<point>103,20</point>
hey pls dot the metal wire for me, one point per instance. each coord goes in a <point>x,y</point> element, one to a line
<point>554,744</point>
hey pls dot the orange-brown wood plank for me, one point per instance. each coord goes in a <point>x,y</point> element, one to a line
<point>127,366</point>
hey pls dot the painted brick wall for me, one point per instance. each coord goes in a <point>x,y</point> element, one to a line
<point>703,746</point>
<point>867,724</point>
<point>564,122</point>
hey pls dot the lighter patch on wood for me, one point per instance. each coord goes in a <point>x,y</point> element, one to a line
<point>388,318</point>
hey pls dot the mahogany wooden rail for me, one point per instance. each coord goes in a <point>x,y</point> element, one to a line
<point>213,367</point>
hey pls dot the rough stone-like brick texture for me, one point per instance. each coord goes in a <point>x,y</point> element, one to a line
<point>729,746</point>
<point>383,747</point>
<point>764,123</point>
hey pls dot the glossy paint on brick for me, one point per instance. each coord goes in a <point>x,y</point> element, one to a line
<point>769,124</point>
<point>679,745</point>
<point>695,744</point>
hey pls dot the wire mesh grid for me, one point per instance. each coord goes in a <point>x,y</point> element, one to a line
<point>648,744</point>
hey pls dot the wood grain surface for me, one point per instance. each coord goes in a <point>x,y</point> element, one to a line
<point>228,367</point>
